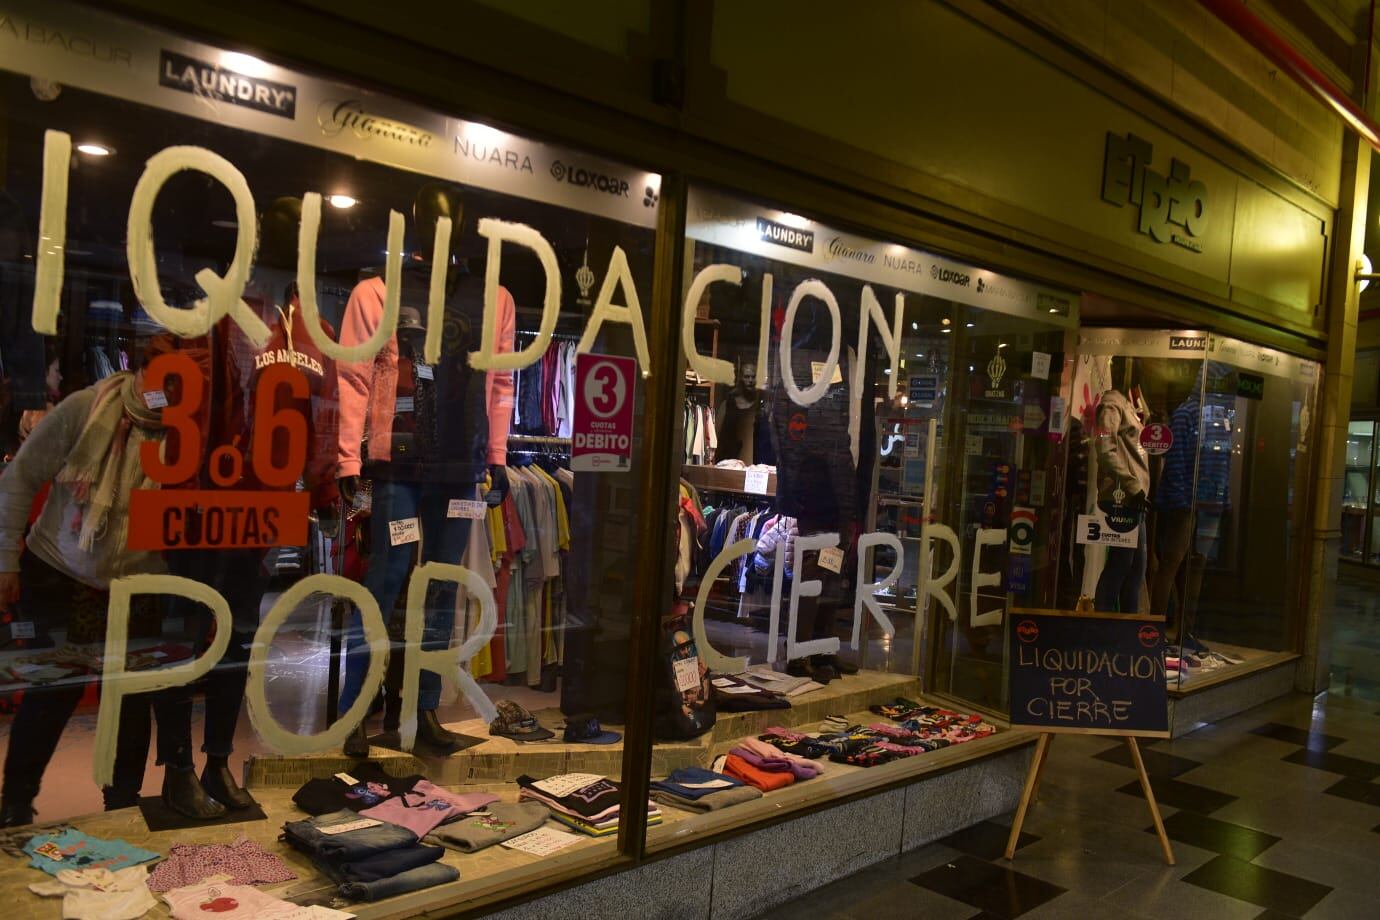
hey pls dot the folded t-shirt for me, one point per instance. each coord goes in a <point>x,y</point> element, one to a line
<point>426,806</point>
<point>590,801</point>
<point>737,767</point>
<point>370,787</point>
<point>71,849</point>
<point>695,783</point>
<point>503,821</point>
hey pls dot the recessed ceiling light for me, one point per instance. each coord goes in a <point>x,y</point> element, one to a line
<point>945,321</point>
<point>915,325</point>
<point>970,325</point>
<point>342,201</point>
<point>1054,309</point>
<point>1001,344</point>
<point>946,331</point>
<point>93,149</point>
<point>225,224</point>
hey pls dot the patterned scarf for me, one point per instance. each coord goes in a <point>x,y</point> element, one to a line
<point>103,466</point>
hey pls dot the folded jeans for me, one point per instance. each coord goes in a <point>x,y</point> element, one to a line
<point>412,880</point>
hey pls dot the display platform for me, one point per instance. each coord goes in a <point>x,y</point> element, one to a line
<point>502,759</point>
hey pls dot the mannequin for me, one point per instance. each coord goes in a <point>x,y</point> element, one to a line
<point>434,433</point>
<point>1123,484</point>
<point>1174,511</point>
<point>736,417</point>
<point>235,366</point>
<point>88,448</point>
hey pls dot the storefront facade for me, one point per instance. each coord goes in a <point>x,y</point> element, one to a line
<point>880,367</point>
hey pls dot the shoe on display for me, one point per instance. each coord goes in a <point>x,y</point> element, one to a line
<point>845,668</point>
<point>1229,659</point>
<point>431,733</point>
<point>221,785</point>
<point>184,794</point>
<point>389,738</point>
<point>357,745</point>
<point>16,810</point>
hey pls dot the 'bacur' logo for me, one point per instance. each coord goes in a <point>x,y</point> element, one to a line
<point>1173,208</point>
<point>209,81</point>
<point>790,237</point>
<point>339,115</point>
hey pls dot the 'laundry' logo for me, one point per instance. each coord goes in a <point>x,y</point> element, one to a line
<point>209,81</point>
<point>782,235</point>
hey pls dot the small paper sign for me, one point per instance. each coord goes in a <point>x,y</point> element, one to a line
<point>817,368</point>
<point>404,531</point>
<point>425,372</point>
<point>541,842</point>
<point>1039,365</point>
<point>347,779</point>
<point>566,783</point>
<point>687,673</point>
<point>347,826</point>
<point>1156,438</point>
<point>468,509</point>
<point>403,405</point>
<point>23,629</point>
<point>155,399</point>
<point>972,445</point>
<point>831,558</point>
<point>1057,417</point>
<point>756,482</point>
<point>1093,530</point>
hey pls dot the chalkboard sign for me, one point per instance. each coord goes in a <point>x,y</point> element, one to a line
<point>1096,673</point>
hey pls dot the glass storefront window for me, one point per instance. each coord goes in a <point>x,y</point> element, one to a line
<point>848,403</point>
<point>1197,445</point>
<point>1360,447</point>
<point>293,463</point>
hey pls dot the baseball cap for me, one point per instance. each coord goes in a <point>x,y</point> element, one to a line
<point>586,730</point>
<point>517,723</point>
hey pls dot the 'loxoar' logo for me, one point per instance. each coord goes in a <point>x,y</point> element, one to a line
<point>1173,208</point>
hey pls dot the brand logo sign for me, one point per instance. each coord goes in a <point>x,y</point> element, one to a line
<point>210,81</point>
<point>493,153</point>
<point>950,276</point>
<point>589,178</point>
<point>68,42</point>
<point>338,116</point>
<point>782,235</point>
<point>1173,208</point>
<point>602,436</point>
<point>1187,343</point>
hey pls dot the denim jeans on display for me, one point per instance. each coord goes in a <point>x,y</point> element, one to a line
<point>349,846</point>
<point>443,540</point>
<point>383,865</point>
<point>411,880</point>
<point>1123,576</point>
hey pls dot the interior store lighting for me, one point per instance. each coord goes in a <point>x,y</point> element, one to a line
<point>342,201</point>
<point>93,149</point>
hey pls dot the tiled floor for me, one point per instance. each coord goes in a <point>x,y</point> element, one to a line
<point>1274,813</point>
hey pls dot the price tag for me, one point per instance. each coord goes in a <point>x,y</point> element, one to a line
<point>1058,419</point>
<point>155,399</point>
<point>831,558</point>
<point>22,630</point>
<point>347,779</point>
<point>468,509</point>
<point>425,372</point>
<point>687,673</point>
<point>1037,487</point>
<point>50,850</point>
<point>972,445</point>
<point>1039,365</point>
<point>404,404</point>
<point>348,826</point>
<point>405,531</point>
<point>363,500</point>
<point>755,482</point>
<point>817,368</point>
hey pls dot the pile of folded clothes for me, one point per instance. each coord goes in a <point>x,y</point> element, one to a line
<point>585,802</point>
<point>367,831</point>
<point>921,729</point>
<point>760,764</point>
<point>694,789</point>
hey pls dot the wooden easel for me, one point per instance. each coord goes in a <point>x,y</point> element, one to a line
<point>1037,770</point>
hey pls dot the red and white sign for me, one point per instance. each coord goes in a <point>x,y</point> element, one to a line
<point>1156,438</point>
<point>603,428</point>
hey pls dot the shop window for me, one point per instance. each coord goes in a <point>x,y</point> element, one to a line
<point>1192,452</point>
<point>290,377</point>
<point>873,441</point>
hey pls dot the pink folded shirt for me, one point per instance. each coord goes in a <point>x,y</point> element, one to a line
<point>427,807</point>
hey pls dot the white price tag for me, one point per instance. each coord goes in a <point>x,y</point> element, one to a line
<point>756,481</point>
<point>541,842</point>
<point>687,673</point>
<point>817,368</point>
<point>425,372</point>
<point>972,445</point>
<point>566,783</point>
<point>831,558</point>
<point>347,826</point>
<point>1093,530</point>
<point>709,784</point>
<point>1039,365</point>
<point>23,629</point>
<point>404,404</point>
<point>466,508</point>
<point>405,531</point>
<point>1058,419</point>
<point>155,399</point>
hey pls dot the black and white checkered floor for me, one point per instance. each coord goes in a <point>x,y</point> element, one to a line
<point>1273,813</point>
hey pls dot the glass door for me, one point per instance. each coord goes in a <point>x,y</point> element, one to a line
<point>1358,519</point>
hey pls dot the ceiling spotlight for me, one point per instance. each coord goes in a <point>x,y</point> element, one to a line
<point>946,331</point>
<point>970,325</point>
<point>342,201</point>
<point>1001,344</point>
<point>945,321</point>
<point>92,149</point>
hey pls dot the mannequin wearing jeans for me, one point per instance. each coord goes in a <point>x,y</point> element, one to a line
<point>433,432</point>
<point>1123,482</point>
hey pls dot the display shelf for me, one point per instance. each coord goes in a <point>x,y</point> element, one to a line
<point>715,479</point>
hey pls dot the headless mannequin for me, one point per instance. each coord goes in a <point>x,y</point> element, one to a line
<point>1123,483</point>
<point>428,459</point>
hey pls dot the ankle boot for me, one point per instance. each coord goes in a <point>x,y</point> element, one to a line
<point>16,809</point>
<point>357,745</point>
<point>431,733</point>
<point>220,784</point>
<point>182,792</point>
